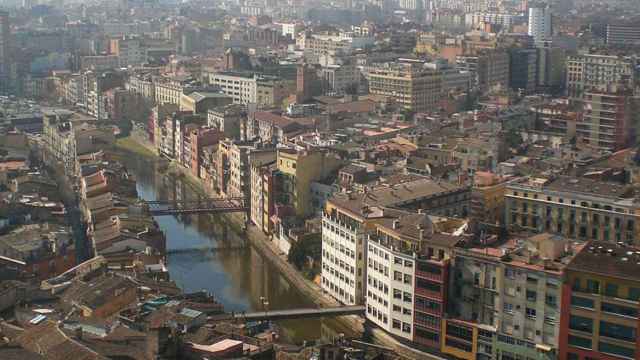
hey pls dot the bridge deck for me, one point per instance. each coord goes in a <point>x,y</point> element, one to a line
<point>210,205</point>
<point>300,313</point>
<point>205,249</point>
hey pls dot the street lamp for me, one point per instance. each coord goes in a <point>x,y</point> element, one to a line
<point>265,305</point>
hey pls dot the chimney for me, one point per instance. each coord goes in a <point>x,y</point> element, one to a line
<point>396,223</point>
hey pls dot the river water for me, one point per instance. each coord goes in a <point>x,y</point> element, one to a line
<point>235,273</point>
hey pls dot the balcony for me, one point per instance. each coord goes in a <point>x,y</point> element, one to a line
<point>429,293</point>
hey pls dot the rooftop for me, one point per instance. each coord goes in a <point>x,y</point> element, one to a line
<point>98,291</point>
<point>393,195</point>
<point>608,259</point>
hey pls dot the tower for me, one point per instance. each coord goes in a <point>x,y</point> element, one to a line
<point>5,34</point>
<point>540,23</point>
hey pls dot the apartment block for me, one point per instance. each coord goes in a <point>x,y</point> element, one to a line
<point>410,85</point>
<point>242,87</point>
<point>297,170</point>
<point>487,199</point>
<point>621,34</point>
<point>262,194</point>
<point>407,276</point>
<point>234,166</point>
<point>344,231</point>
<point>523,68</point>
<point>129,51</point>
<point>607,121</point>
<point>5,56</point>
<point>339,78</point>
<point>513,289</point>
<point>600,304</point>
<point>592,71</point>
<point>577,208</point>
<point>228,119</point>
<point>491,68</point>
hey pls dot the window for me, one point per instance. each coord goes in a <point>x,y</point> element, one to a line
<point>406,311</point>
<point>509,273</point>
<point>508,308</point>
<point>429,268</point>
<point>460,332</point>
<point>427,285</point>
<point>406,297</point>
<point>579,342</point>
<point>619,309</point>
<point>551,300</point>
<point>406,328</point>
<point>397,294</point>
<point>593,286</point>
<point>611,290</point>
<point>459,345</point>
<point>396,324</point>
<point>580,323</point>
<point>634,294</point>
<point>428,320</point>
<point>397,276</point>
<point>407,279</point>
<point>582,302</point>
<point>531,313</point>
<point>617,331</point>
<point>616,350</point>
<point>427,335</point>
<point>427,304</point>
<point>531,295</point>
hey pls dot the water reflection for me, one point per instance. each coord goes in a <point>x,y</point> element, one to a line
<point>237,275</point>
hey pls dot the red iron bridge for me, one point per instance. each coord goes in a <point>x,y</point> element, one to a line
<point>205,205</point>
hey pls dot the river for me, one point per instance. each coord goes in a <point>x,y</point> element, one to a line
<point>235,273</point>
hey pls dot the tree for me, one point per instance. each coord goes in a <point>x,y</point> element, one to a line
<point>513,139</point>
<point>296,255</point>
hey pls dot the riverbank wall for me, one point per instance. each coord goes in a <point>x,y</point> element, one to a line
<point>268,249</point>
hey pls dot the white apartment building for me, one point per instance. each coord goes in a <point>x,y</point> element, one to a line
<point>540,23</point>
<point>241,87</point>
<point>390,289</point>
<point>290,29</point>
<point>343,250</point>
<point>505,20</point>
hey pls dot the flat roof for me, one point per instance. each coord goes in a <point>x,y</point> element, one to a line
<point>608,259</point>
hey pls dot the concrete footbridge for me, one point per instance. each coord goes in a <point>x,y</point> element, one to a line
<point>294,313</point>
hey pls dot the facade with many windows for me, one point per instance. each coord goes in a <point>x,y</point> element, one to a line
<point>594,71</point>
<point>343,250</point>
<point>577,208</point>
<point>407,273</point>
<point>410,84</point>
<point>601,302</point>
<point>513,291</point>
